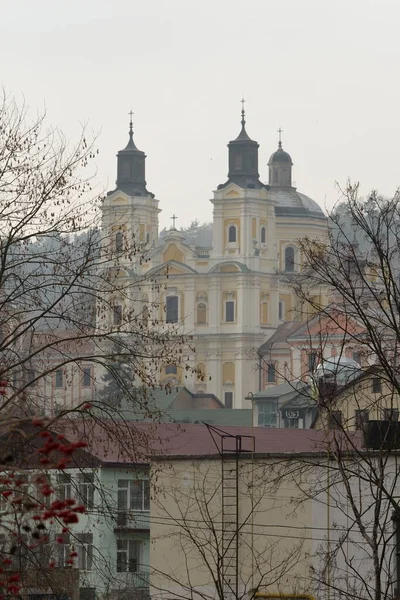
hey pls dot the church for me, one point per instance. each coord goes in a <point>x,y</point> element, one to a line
<point>231,297</point>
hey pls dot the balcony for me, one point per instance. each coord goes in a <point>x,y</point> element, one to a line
<point>132,521</point>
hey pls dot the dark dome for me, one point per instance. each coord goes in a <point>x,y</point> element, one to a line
<point>280,156</point>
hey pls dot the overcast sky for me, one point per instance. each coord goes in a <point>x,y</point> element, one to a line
<point>327,72</point>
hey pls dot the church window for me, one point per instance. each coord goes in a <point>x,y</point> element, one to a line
<point>271,373</point>
<point>119,242</point>
<point>263,235</point>
<point>201,313</point>
<point>117,317</point>
<point>172,309</point>
<point>147,238</point>
<point>238,162</point>
<point>232,234</point>
<point>253,161</point>
<point>145,316</point>
<point>229,311</point>
<point>228,399</point>
<point>275,178</point>
<point>289,259</point>
<point>171,370</point>
<point>281,310</point>
<point>264,312</point>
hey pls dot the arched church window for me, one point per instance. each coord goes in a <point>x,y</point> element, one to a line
<point>119,242</point>
<point>145,316</point>
<point>263,235</point>
<point>275,177</point>
<point>232,234</point>
<point>289,258</point>
<point>201,313</point>
<point>147,237</point>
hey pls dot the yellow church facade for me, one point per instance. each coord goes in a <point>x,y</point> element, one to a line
<point>233,296</point>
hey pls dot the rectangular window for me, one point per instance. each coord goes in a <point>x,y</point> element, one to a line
<point>396,523</point>
<point>267,414</point>
<point>30,377</point>
<point>312,361</point>
<point>133,494</point>
<point>357,357</point>
<point>59,378</point>
<point>228,399</point>
<point>86,489</point>
<point>87,377</point>
<point>229,311</point>
<point>271,373</point>
<point>390,414</point>
<point>83,543</point>
<point>281,310</point>
<point>172,309</point>
<point>63,550</point>
<point>362,416</point>
<point>171,370</point>
<point>128,556</point>
<point>117,317</point>
<point>335,419</point>
<point>376,385</point>
<point>64,486</point>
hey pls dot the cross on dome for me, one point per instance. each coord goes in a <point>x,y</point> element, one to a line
<point>173,219</point>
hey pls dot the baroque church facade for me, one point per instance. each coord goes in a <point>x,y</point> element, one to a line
<point>233,296</point>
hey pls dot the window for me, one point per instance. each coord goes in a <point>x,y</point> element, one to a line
<point>281,310</point>
<point>128,556</point>
<point>145,316</point>
<point>275,177</point>
<point>335,419</point>
<point>63,549</point>
<point>117,317</point>
<point>232,234</point>
<point>133,494</point>
<point>119,242</point>
<point>59,378</point>
<point>357,357</point>
<point>390,414</point>
<point>30,377</point>
<point>171,370</point>
<point>289,258</point>
<point>172,309</point>
<point>229,311</point>
<point>396,524</point>
<point>87,377</point>
<point>312,361</point>
<point>267,414</point>
<point>361,417</point>
<point>271,373</point>
<point>376,385</point>
<point>201,314</point>
<point>64,486</point>
<point>84,548</point>
<point>263,235</point>
<point>238,162</point>
<point>86,489</point>
<point>228,397</point>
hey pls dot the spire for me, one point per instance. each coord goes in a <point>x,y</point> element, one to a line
<point>131,167</point>
<point>280,137</point>
<point>243,158</point>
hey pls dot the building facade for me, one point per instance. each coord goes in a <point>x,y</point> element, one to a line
<point>232,296</point>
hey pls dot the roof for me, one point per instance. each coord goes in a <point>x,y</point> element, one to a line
<point>277,391</point>
<point>280,156</point>
<point>290,202</point>
<point>226,416</point>
<point>279,338</point>
<point>126,443</point>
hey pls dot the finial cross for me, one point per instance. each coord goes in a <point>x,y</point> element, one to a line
<point>280,134</point>
<point>173,219</point>
<point>243,101</point>
<point>130,114</point>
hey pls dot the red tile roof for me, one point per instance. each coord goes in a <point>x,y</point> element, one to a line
<point>132,442</point>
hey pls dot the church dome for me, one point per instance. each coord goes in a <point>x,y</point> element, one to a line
<point>291,203</point>
<point>280,156</point>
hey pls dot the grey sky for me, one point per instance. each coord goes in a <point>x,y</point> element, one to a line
<point>326,71</point>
